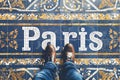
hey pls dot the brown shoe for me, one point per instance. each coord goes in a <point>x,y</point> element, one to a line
<point>68,53</point>
<point>50,53</point>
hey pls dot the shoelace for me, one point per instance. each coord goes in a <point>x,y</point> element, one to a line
<point>69,56</point>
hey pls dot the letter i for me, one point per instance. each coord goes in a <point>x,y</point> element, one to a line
<point>82,40</point>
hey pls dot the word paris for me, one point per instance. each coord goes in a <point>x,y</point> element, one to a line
<point>95,43</point>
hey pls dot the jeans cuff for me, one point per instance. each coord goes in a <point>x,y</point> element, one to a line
<point>51,66</point>
<point>69,65</point>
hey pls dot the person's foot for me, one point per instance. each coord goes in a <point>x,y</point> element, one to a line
<point>68,53</point>
<point>50,53</point>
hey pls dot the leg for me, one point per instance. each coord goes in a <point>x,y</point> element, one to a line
<point>50,69</point>
<point>69,69</point>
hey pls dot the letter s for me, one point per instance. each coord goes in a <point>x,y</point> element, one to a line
<point>96,40</point>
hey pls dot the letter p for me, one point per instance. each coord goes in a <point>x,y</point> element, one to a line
<point>28,38</point>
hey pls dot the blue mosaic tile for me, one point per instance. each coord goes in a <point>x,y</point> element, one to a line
<point>92,26</point>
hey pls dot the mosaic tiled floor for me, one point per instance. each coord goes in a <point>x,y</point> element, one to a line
<point>92,26</point>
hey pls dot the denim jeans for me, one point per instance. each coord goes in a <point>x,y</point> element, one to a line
<point>68,72</point>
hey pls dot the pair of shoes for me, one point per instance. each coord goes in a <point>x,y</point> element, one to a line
<point>68,53</point>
